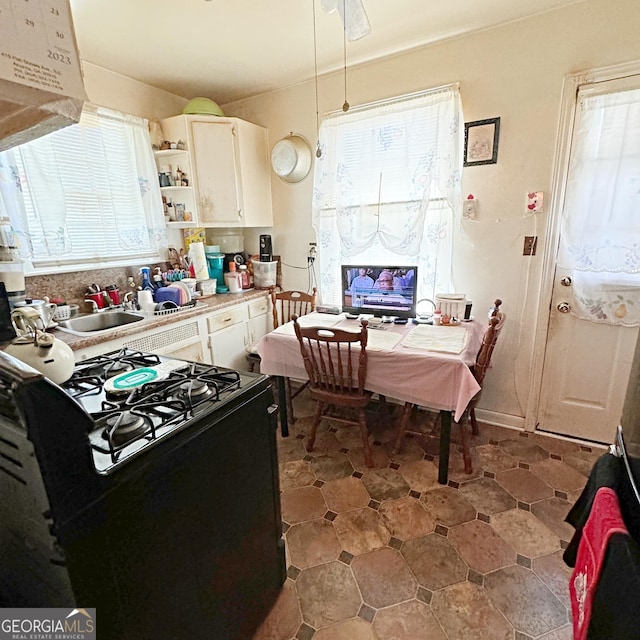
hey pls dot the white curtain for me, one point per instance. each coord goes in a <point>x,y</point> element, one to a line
<point>600,235</point>
<point>387,186</point>
<point>87,193</point>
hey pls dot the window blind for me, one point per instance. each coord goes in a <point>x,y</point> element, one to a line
<point>90,191</point>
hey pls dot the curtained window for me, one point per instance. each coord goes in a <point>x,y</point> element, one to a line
<point>600,232</point>
<point>85,194</point>
<point>387,186</point>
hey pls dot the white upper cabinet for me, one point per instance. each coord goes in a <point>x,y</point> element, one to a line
<point>229,162</point>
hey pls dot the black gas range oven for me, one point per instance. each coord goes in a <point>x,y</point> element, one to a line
<point>146,487</point>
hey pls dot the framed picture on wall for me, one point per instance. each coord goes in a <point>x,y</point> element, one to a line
<point>481,142</point>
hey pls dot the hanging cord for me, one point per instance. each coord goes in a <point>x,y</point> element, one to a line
<point>345,106</point>
<point>315,75</point>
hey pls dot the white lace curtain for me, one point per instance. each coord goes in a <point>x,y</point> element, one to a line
<point>387,186</point>
<point>600,235</point>
<point>87,193</point>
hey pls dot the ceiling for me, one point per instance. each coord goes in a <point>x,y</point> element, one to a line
<point>232,49</point>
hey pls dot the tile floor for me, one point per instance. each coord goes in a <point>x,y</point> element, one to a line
<point>389,554</point>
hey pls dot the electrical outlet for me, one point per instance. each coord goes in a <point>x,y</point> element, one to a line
<point>530,245</point>
<point>469,209</point>
<point>535,201</point>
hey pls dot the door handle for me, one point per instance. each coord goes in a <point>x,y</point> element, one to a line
<point>566,281</point>
<point>564,307</point>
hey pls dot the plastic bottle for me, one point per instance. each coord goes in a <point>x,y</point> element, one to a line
<point>244,276</point>
<point>157,278</point>
<point>145,272</point>
<point>437,317</point>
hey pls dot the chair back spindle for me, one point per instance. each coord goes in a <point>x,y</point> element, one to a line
<point>329,356</point>
<point>286,304</point>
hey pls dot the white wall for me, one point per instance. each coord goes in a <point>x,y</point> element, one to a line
<point>515,72</point>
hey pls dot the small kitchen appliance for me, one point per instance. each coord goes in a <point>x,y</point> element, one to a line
<point>146,486</point>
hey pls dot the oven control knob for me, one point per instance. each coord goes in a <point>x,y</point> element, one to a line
<point>564,307</point>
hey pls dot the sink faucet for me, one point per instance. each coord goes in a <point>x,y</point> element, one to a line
<point>130,303</point>
<point>94,305</point>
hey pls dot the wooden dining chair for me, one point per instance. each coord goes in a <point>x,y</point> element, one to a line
<point>478,369</point>
<point>336,363</point>
<point>284,304</point>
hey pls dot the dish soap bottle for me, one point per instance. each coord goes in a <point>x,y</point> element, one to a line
<point>145,272</point>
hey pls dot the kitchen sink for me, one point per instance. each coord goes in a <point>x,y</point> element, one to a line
<point>97,322</point>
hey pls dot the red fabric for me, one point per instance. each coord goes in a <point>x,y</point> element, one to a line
<point>604,520</point>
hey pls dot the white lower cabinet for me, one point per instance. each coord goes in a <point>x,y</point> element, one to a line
<point>178,340</point>
<point>221,338</point>
<point>233,330</point>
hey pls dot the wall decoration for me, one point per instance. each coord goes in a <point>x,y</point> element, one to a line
<point>481,142</point>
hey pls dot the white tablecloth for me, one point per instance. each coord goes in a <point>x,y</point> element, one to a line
<point>410,372</point>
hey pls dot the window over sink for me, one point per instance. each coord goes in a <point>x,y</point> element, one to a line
<point>85,195</point>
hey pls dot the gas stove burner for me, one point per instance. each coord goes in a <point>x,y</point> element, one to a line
<point>123,427</point>
<point>117,367</point>
<point>196,389</point>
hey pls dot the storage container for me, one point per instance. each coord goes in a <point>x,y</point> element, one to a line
<point>452,304</point>
<point>264,274</point>
<point>229,240</point>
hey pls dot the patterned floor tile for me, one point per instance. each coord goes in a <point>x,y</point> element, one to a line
<point>524,485</point>
<point>465,611</point>
<point>448,506</point>
<point>328,594</point>
<point>525,533</point>
<point>420,475</point>
<point>300,505</point>
<point>508,588</point>
<point>407,621</point>
<point>295,474</point>
<point>552,513</point>
<point>331,467</point>
<point>434,561</point>
<point>398,585</point>
<point>555,574</point>
<point>361,530</point>
<point>406,518</point>
<point>492,458</point>
<point>481,547</point>
<point>385,484</point>
<point>487,496</point>
<point>558,475</point>
<point>353,629</point>
<point>312,543</point>
<point>523,449</point>
<point>345,494</point>
<point>396,556</point>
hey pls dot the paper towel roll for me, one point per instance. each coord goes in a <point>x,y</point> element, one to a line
<point>199,260</point>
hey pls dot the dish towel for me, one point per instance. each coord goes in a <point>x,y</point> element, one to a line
<point>434,338</point>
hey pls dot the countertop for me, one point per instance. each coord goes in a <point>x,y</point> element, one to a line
<point>204,307</point>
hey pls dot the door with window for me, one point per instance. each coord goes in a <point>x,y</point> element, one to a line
<point>595,305</point>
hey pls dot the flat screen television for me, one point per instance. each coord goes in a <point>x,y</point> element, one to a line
<point>379,290</point>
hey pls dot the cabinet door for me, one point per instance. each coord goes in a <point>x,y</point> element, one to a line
<point>219,188</point>
<point>258,327</point>
<point>228,347</point>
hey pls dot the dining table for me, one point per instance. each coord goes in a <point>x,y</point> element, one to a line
<point>423,364</point>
